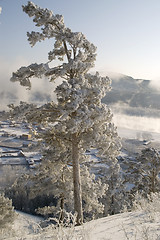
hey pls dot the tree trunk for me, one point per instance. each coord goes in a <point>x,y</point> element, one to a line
<point>61,216</point>
<point>77,180</point>
<point>153,180</point>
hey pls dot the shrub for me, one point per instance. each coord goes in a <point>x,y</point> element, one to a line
<point>7,213</point>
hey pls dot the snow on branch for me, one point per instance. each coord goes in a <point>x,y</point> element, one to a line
<point>43,17</point>
<point>24,74</point>
<point>44,114</point>
<point>72,44</point>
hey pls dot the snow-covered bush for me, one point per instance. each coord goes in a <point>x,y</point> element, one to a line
<point>149,204</point>
<point>148,211</point>
<point>7,213</point>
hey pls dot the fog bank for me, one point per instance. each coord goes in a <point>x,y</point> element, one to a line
<point>137,123</point>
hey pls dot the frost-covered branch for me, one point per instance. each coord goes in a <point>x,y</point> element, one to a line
<point>71,46</point>
<point>44,114</point>
<point>24,74</point>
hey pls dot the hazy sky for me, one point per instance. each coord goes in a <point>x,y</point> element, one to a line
<point>126,33</point>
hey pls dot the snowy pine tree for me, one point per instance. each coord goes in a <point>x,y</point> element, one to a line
<point>144,171</point>
<point>149,169</point>
<point>115,199</point>
<point>78,121</point>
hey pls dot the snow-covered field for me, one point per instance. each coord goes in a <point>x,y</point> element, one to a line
<point>126,226</point>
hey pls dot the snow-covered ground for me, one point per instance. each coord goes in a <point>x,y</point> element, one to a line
<point>126,226</point>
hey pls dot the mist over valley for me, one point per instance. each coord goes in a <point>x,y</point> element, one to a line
<point>134,102</point>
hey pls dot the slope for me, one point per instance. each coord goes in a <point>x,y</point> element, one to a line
<point>133,226</point>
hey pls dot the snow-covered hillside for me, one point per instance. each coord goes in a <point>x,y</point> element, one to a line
<point>126,226</point>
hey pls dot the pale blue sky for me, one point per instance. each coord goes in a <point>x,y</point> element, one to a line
<point>126,33</point>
